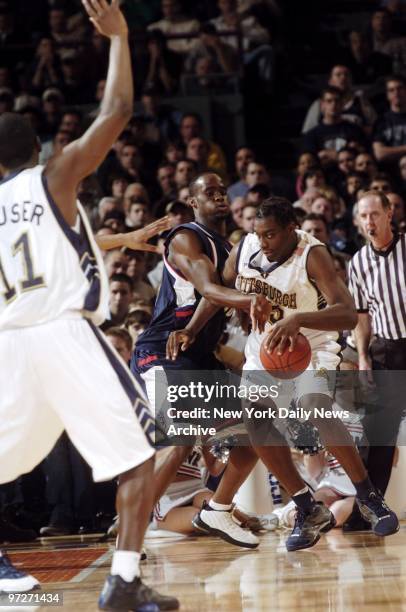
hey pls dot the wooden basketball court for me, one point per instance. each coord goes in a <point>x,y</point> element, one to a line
<point>342,573</point>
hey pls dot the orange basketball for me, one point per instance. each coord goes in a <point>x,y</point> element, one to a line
<point>289,364</point>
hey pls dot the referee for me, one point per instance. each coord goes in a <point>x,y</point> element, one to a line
<point>377,279</point>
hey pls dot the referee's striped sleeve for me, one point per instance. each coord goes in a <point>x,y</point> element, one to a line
<point>356,289</point>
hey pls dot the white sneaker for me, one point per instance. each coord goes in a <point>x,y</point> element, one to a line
<point>221,524</point>
<point>13,580</point>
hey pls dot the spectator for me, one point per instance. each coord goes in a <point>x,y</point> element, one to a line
<point>118,186</point>
<point>136,270</point>
<point>116,221</point>
<point>166,179</point>
<point>323,206</point>
<point>381,29</point>
<point>365,163</point>
<point>354,181</point>
<point>162,120</point>
<point>191,126</point>
<point>355,107</point>
<point>178,213</point>
<point>381,182</point>
<point>257,194</point>
<point>45,70</point>
<point>389,138</point>
<point>77,88</point>
<point>116,262</point>
<point>307,161</point>
<point>224,59</point>
<point>236,210</point>
<point>135,191</point>
<point>59,30</point>
<point>185,172</point>
<point>108,205</point>
<point>174,22</point>
<point>198,150</point>
<point>52,103</point>
<point>248,218</point>
<point>121,294</point>
<point>346,161</point>
<point>243,156</point>
<point>136,322</point>
<point>6,100</point>
<point>316,225</point>
<point>174,151</point>
<point>121,340</point>
<point>402,173</point>
<point>130,162</point>
<point>333,133</point>
<point>138,214</point>
<point>164,66</point>
<point>365,64</point>
<point>61,139</point>
<point>399,210</point>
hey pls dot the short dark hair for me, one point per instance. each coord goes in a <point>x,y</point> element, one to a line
<point>195,116</point>
<point>120,332</point>
<point>137,316</point>
<point>330,89</point>
<point>278,208</point>
<point>396,77</point>
<point>120,277</point>
<point>263,190</point>
<point>17,140</point>
<point>315,217</point>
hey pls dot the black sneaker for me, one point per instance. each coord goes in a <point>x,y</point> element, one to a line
<point>309,526</point>
<point>383,520</point>
<point>117,594</point>
<point>13,580</point>
<point>10,533</point>
<point>356,522</point>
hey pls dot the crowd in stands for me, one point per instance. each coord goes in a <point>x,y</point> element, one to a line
<point>52,70</point>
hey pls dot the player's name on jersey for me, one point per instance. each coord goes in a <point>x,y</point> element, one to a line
<point>21,212</point>
<point>256,413</point>
<point>256,285</point>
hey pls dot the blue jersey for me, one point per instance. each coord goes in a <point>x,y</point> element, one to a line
<point>177,301</point>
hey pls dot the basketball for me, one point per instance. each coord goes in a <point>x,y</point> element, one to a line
<point>289,364</point>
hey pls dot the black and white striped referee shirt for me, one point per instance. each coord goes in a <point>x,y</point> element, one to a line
<point>377,281</point>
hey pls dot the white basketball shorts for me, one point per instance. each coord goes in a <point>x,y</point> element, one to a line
<point>65,375</point>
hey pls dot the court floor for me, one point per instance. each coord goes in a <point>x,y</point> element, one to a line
<point>342,573</point>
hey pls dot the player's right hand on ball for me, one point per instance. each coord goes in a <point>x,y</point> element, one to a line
<point>182,339</point>
<point>260,310</point>
<point>106,18</point>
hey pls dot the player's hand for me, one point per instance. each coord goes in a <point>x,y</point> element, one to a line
<point>180,339</point>
<point>138,239</point>
<point>106,18</point>
<point>283,334</point>
<point>259,312</point>
<point>365,368</point>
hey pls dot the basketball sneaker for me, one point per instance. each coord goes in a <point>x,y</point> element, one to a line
<point>117,594</point>
<point>383,520</point>
<point>220,523</point>
<point>13,580</point>
<point>309,526</point>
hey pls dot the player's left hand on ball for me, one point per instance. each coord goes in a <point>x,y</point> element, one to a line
<point>283,334</point>
<point>138,240</point>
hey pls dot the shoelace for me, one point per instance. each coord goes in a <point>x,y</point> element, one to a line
<point>377,504</point>
<point>299,518</point>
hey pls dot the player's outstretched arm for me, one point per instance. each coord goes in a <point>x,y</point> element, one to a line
<point>136,240</point>
<point>81,157</point>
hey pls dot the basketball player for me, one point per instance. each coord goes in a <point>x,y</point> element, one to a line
<point>195,254</point>
<point>58,372</point>
<point>297,274</point>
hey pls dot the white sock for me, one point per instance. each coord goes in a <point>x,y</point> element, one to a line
<point>301,491</point>
<point>126,563</point>
<point>217,506</point>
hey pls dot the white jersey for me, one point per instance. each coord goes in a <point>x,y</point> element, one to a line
<point>289,288</point>
<point>48,270</point>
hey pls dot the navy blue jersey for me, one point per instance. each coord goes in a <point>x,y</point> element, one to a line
<point>177,301</point>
